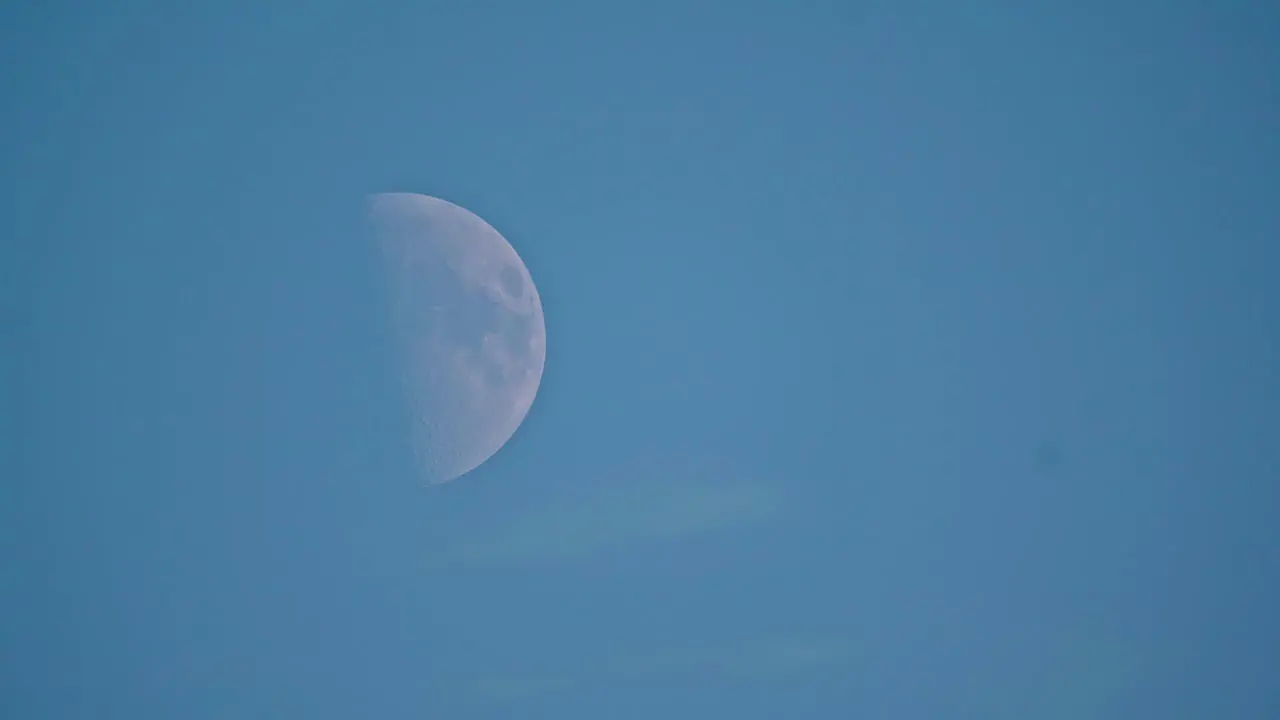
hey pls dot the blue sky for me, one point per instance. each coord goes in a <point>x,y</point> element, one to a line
<point>908,360</point>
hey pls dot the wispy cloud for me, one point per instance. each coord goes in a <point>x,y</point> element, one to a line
<point>759,658</point>
<point>636,514</point>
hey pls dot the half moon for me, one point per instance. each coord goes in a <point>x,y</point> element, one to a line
<point>470,329</point>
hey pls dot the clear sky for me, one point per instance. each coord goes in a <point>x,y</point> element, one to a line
<point>905,360</point>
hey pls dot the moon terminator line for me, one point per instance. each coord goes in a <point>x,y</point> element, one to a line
<point>470,327</point>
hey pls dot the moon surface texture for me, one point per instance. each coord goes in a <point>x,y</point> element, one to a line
<point>470,328</point>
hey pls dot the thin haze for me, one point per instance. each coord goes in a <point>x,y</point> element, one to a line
<point>904,360</point>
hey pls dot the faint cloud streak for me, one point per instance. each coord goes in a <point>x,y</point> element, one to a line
<point>758,659</point>
<point>586,526</point>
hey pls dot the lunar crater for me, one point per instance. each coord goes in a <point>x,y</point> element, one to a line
<point>471,329</point>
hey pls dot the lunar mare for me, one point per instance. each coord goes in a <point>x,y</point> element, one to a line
<point>470,328</point>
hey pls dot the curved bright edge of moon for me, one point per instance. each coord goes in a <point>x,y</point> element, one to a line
<point>416,231</point>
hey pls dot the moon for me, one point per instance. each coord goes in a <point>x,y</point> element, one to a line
<point>470,328</point>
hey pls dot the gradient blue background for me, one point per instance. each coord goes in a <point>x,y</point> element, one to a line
<point>980,294</point>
